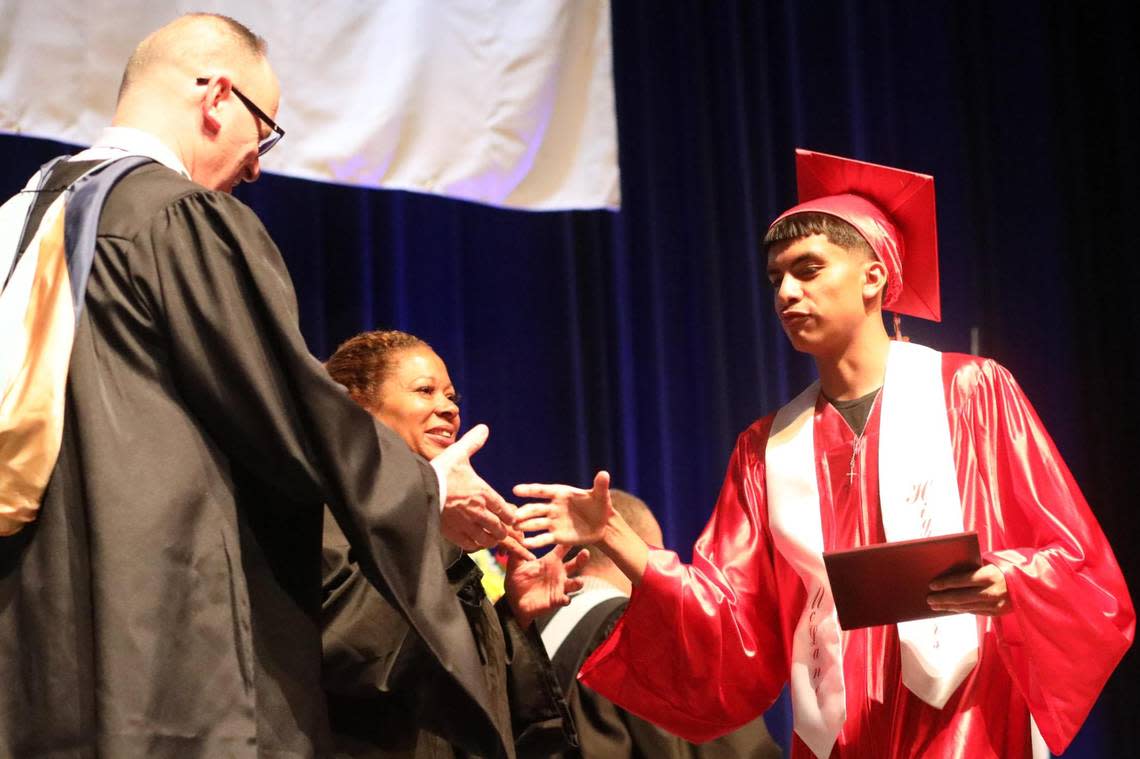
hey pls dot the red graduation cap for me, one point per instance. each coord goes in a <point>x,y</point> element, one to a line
<point>892,209</point>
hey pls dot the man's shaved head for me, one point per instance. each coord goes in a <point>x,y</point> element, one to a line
<point>198,44</point>
<point>195,84</point>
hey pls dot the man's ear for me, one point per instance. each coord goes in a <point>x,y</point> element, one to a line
<point>874,281</point>
<point>217,91</point>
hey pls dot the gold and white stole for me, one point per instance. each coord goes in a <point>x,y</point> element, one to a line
<point>41,299</point>
<point>918,495</point>
<point>37,319</point>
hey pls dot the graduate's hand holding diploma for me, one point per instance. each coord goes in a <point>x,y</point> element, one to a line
<point>474,516</point>
<point>982,591</point>
<point>567,515</point>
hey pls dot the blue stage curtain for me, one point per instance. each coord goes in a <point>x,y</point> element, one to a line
<point>644,341</point>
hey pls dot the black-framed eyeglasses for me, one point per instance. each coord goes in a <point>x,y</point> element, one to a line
<point>275,132</point>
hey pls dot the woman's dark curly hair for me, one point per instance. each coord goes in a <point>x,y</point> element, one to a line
<point>362,362</point>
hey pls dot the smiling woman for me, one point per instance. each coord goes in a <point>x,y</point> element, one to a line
<point>404,384</point>
<point>419,402</point>
<point>385,695</point>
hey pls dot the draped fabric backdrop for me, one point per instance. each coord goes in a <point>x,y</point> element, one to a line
<point>644,341</point>
<point>519,112</point>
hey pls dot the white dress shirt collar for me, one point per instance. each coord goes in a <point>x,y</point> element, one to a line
<point>117,141</point>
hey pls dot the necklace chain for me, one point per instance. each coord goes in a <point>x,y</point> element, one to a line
<point>851,473</point>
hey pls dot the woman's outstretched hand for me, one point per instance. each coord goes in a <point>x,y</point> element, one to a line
<point>536,586</point>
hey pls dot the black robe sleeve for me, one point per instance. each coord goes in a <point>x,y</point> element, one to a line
<point>386,693</point>
<point>241,364</point>
<point>540,716</point>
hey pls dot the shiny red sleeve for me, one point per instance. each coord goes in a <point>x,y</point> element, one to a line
<point>1072,617</point>
<point>699,651</point>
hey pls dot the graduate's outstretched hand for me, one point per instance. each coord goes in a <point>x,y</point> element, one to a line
<point>565,515</point>
<point>982,591</point>
<point>536,586</point>
<point>474,516</point>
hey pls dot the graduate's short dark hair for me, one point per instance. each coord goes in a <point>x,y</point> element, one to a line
<point>362,362</point>
<point>801,225</point>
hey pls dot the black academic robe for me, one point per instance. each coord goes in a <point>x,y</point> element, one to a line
<point>607,731</point>
<point>387,696</point>
<point>165,602</point>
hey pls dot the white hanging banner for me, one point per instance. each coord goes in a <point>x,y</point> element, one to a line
<point>505,102</point>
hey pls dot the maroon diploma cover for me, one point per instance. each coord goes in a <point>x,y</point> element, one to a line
<point>886,583</point>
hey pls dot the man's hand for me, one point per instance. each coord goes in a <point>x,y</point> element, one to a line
<point>566,515</point>
<point>474,516</point>
<point>982,591</point>
<point>536,586</point>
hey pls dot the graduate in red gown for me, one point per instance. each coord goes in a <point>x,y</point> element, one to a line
<point>894,441</point>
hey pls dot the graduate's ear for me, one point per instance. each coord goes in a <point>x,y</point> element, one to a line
<point>874,281</point>
<point>217,93</point>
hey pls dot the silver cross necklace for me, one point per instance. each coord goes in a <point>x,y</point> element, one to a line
<point>851,473</point>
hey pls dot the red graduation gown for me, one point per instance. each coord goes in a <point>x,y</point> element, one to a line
<point>703,648</point>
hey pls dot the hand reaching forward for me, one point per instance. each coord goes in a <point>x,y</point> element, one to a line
<point>474,516</point>
<point>536,586</point>
<point>982,591</point>
<point>566,515</point>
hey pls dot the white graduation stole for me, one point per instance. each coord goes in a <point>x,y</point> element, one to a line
<point>918,494</point>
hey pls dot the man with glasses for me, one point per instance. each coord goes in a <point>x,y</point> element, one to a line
<point>167,443</point>
<point>275,132</point>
